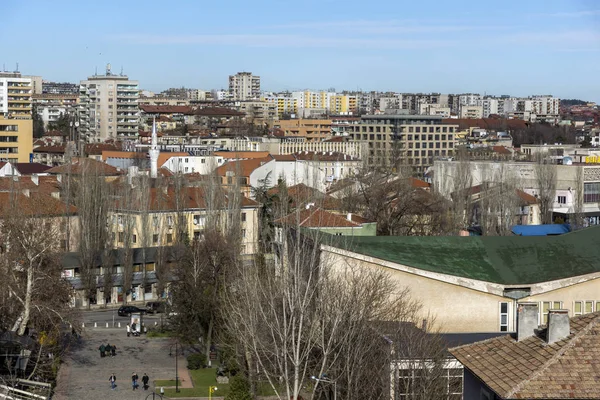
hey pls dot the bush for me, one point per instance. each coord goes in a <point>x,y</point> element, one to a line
<point>196,361</point>
<point>239,389</point>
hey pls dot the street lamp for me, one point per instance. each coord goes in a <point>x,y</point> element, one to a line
<point>326,380</point>
<point>154,396</point>
<point>176,366</point>
<point>211,390</point>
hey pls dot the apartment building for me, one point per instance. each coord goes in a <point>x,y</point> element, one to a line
<point>50,107</point>
<point>16,124</point>
<point>15,95</point>
<point>331,102</point>
<point>473,112</point>
<point>311,129</point>
<point>284,105</point>
<point>16,140</point>
<point>60,88</point>
<point>244,86</point>
<point>108,107</point>
<point>258,112</point>
<point>412,139</point>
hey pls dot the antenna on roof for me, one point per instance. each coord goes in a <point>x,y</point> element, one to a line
<point>17,70</point>
<point>96,70</point>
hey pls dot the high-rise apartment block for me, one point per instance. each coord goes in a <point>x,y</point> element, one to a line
<point>108,107</point>
<point>16,124</point>
<point>244,86</point>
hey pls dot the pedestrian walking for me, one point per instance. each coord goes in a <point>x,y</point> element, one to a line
<point>102,349</point>
<point>145,380</point>
<point>107,349</point>
<point>128,330</point>
<point>113,381</point>
<point>134,379</point>
<point>113,350</point>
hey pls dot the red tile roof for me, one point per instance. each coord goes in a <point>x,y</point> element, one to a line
<point>217,112</point>
<point>166,109</point>
<point>302,194</point>
<point>240,155</point>
<point>58,149</point>
<point>418,183</point>
<point>30,168</point>
<point>34,205</point>
<point>284,157</point>
<point>80,165</point>
<point>501,150</point>
<point>534,369</point>
<point>242,167</point>
<point>96,149</point>
<point>526,197</point>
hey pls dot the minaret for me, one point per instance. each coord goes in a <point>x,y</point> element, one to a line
<point>154,152</point>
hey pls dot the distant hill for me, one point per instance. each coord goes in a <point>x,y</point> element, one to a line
<point>572,102</point>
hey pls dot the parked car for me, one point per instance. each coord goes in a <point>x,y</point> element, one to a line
<point>126,311</point>
<point>153,307</point>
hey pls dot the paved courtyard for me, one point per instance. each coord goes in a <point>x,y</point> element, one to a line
<point>84,375</point>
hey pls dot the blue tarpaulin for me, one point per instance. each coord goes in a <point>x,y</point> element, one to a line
<point>541,230</point>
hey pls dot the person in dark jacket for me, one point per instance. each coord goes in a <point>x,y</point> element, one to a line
<point>145,380</point>
<point>113,350</point>
<point>134,379</point>
<point>107,349</point>
<point>113,381</point>
<point>102,349</point>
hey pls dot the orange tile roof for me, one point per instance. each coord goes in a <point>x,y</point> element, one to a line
<point>534,369</point>
<point>164,157</point>
<point>526,197</point>
<point>418,183</point>
<point>36,204</point>
<point>302,194</point>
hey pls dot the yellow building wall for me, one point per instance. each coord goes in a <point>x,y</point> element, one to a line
<point>20,150</point>
<point>580,292</point>
<point>453,307</point>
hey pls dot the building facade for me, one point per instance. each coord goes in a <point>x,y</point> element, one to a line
<point>108,107</point>
<point>244,86</point>
<point>15,95</point>
<point>411,139</point>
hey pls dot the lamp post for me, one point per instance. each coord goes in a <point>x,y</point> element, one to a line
<point>176,366</point>
<point>154,396</point>
<point>326,380</point>
<point>211,390</point>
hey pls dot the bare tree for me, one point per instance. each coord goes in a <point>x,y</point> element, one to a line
<point>578,204</point>
<point>545,176</point>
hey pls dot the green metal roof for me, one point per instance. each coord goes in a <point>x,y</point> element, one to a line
<point>508,260</point>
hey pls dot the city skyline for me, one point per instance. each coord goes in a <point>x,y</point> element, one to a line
<point>540,47</point>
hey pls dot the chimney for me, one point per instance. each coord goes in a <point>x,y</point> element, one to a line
<point>558,325</point>
<point>26,192</point>
<point>35,179</point>
<point>527,320</point>
<point>349,217</point>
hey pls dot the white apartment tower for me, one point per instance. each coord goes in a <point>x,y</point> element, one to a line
<point>108,107</point>
<point>15,96</point>
<point>244,86</point>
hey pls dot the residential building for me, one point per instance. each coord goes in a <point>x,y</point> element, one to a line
<point>36,83</point>
<point>333,166</point>
<point>311,129</point>
<point>471,112</point>
<point>411,139</point>
<point>163,101</point>
<point>52,155</point>
<point>64,88</point>
<point>108,107</point>
<point>351,148</point>
<point>15,95</point>
<point>189,164</point>
<point>245,174</point>
<point>475,284</point>
<point>244,86</point>
<point>551,362</point>
<point>577,181</point>
<point>330,102</point>
<point>285,105</point>
<point>258,112</point>
<point>316,218</point>
<point>16,139</point>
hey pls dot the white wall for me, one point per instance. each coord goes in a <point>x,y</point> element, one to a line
<point>295,172</point>
<point>193,164</point>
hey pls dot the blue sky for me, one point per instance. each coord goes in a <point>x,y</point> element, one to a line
<point>510,47</point>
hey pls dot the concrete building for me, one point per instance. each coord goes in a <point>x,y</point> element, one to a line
<point>574,183</point>
<point>472,112</point>
<point>16,140</point>
<point>15,95</point>
<point>244,86</point>
<point>108,107</point>
<point>413,139</point>
<point>285,105</point>
<point>311,129</point>
<point>475,284</point>
<point>331,102</point>
<point>60,88</point>
<point>36,83</point>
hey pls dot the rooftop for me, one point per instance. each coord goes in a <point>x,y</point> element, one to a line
<point>508,260</point>
<point>534,369</point>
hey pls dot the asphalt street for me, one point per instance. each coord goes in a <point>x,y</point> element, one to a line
<point>101,317</point>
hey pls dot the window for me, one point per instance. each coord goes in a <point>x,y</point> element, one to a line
<point>546,306</point>
<point>578,308</point>
<point>121,237</point>
<point>503,317</point>
<point>155,220</point>
<point>199,219</point>
<point>589,307</point>
<point>155,238</point>
<point>562,199</point>
<point>243,217</point>
<point>134,239</point>
<point>591,192</point>
<point>243,233</point>
<point>170,220</point>
<point>169,237</point>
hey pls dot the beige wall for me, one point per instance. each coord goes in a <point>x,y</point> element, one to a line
<point>166,232</point>
<point>455,308</point>
<point>20,150</point>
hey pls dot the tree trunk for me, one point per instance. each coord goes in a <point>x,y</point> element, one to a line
<point>27,305</point>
